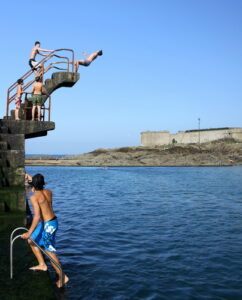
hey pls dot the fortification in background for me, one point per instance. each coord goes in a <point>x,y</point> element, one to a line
<point>158,138</point>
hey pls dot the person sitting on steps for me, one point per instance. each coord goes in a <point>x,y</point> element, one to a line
<point>88,59</point>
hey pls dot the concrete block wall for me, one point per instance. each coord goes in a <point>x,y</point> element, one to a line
<point>154,138</point>
<point>158,138</point>
<point>12,159</point>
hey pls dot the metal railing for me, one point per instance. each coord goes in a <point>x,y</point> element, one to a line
<point>41,64</point>
<point>12,240</point>
<point>43,108</point>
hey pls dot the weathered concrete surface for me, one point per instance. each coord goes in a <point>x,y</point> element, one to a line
<point>12,160</point>
<point>12,141</point>
<point>57,80</point>
<point>13,176</point>
<point>12,199</point>
<point>61,79</point>
<point>159,138</point>
<point>26,127</point>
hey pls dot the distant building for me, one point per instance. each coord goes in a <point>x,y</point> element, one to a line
<point>158,138</point>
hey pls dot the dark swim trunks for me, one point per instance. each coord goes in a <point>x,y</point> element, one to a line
<point>32,64</point>
<point>44,234</point>
<point>86,63</point>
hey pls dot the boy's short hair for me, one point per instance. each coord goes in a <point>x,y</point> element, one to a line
<point>20,80</point>
<point>38,182</point>
<point>37,42</point>
<point>37,78</point>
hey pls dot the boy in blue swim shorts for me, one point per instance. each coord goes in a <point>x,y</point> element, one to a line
<point>44,234</point>
<point>44,226</point>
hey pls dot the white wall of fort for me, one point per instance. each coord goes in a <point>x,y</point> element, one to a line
<point>158,138</point>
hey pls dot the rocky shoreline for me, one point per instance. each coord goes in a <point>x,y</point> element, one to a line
<point>219,153</point>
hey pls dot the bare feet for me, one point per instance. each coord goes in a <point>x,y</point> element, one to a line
<point>58,283</point>
<point>39,268</point>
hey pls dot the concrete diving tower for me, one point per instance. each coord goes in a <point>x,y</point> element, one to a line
<point>12,143</point>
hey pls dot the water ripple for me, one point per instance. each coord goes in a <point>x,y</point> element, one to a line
<point>149,233</point>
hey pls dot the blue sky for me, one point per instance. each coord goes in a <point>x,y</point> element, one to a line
<point>165,64</point>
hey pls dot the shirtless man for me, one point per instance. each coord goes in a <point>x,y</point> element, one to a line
<point>37,93</point>
<point>43,227</point>
<point>36,50</point>
<point>88,59</point>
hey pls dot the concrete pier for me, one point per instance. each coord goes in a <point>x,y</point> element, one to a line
<point>12,157</point>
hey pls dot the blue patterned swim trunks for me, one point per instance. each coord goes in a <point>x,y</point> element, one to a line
<point>44,234</point>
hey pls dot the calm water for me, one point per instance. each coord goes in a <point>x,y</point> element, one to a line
<point>149,233</point>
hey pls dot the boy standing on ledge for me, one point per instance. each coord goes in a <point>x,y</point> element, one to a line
<point>44,226</point>
<point>18,98</point>
<point>37,93</point>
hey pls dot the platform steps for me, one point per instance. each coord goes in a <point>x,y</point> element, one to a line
<point>57,80</point>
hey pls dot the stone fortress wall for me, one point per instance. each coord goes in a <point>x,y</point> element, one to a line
<point>158,138</point>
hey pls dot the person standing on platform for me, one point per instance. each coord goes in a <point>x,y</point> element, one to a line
<point>37,93</point>
<point>18,98</point>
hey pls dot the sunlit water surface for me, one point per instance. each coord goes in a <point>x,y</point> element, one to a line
<point>149,233</point>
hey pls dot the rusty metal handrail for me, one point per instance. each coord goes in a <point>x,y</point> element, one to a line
<point>42,107</point>
<point>10,99</point>
<point>30,72</point>
<point>13,86</point>
<point>47,108</point>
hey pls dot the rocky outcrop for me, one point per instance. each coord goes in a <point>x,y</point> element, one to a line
<point>226,153</point>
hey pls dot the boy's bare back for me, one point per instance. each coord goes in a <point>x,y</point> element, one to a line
<point>42,203</point>
<point>37,88</point>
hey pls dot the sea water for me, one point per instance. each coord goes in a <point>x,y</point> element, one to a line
<point>149,233</point>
